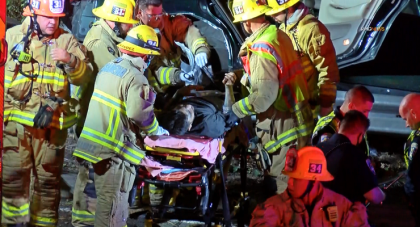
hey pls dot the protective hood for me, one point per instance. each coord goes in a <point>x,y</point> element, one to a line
<point>138,62</point>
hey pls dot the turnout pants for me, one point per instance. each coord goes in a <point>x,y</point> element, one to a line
<point>40,151</point>
<point>113,179</point>
<point>84,196</point>
<point>269,128</point>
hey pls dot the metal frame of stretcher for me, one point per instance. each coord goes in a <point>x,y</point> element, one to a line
<point>208,191</point>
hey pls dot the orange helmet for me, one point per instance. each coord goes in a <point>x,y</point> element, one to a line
<point>308,163</point>
<point>48,8</point>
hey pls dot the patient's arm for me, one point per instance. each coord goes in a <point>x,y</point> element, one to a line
<point>229,81</point>
<point>229,99</point>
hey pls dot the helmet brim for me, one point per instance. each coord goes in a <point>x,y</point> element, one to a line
<point>97,13</point>
<point>27,13</point>
<point>129,48</point>
<point>326,176</point>
<point>274,11</point>
<point>251,16</point>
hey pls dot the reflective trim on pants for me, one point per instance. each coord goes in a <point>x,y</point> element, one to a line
<point>12,211</point>
<point>41,221</point>
<point>82,216</point>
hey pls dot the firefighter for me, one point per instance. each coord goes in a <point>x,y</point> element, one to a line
<point>165,69</point>
<point>410,112</point>
<point>118,112</point>
<point>358,98</point>
<point>312,42</point>
<point>43,61</point>
<point>116,19</point>
<point>306,202</point>
<point>277,86</point>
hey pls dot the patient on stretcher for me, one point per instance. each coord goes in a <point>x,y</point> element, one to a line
<point>201,116</point>
<point>195,125</point>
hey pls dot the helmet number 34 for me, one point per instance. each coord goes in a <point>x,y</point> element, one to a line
<point>315,168</point>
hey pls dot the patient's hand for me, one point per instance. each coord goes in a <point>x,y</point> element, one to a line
<point>229,79</point>
<point>186,90</point>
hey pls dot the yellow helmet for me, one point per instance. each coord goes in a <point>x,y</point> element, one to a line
<point>122,11</point>
<point>308,163</point>
<point>279,5</point>
<point>247,9</point>
<point>141,40</point>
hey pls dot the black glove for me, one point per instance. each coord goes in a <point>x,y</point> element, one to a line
<point>45,114</point>
<point>231,119</point>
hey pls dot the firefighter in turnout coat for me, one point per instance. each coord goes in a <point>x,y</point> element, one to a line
<point>120,110</point>
<point>165,69</point>
<point>306,202</point>
<point>116,18</point>
<point>42,63</point>
<point>278,92</point>
<point>312,41</point>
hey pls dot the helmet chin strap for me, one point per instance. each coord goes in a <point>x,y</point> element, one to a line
<point>34,24</point>
<point>117,29</point>
<point>308,189</point>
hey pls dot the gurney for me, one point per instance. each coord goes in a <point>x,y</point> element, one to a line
<point>193,172</point>
<point>176,166</point>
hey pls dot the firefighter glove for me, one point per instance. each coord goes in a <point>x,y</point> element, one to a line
<point>262,158</point>
<point>201,59</point>
<point>162,131</point>
<point>188,78</point>
<point>45,114</point>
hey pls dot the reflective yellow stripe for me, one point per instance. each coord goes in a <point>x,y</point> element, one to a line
<point>10,211</point>
<point>79,72</point>
<point>114,120</point>
<point>108,100</point>
<point>324,121</point>
<point>77,92</point>
<point>46,78</point>
<point>83,216</point>
<point>152,127</point>
<point>407,149</point>
<point>287,137</point>
<point>28,119</point>
<point>367,146</point>
<point>307,65</point>
<point>41,221</point>
<point>86,156</point>
<point>198,42</point>
<point>164,75</point>
<point>19,116</point>
<point>155,190</point>
<point>245,107</point>
<point>130,154</point>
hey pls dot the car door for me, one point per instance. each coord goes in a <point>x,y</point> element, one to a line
<point>358,27</point>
